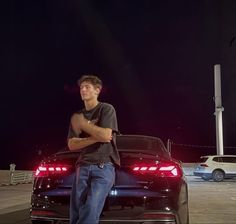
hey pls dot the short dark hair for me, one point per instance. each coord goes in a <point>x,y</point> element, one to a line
<point>93,79</point>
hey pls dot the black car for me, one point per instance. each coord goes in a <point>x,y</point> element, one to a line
<point>150,186</point>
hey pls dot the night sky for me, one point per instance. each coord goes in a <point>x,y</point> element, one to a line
<point>156,59</point>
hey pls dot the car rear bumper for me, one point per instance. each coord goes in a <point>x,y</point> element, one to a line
<point>147,218</point>
<point>202,174</point>
<point>125,204</point>
<point>125,215</point>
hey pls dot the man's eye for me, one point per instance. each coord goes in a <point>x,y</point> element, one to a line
<point>86,87</point>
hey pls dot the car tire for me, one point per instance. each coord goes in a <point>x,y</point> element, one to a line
<point>218,175</point>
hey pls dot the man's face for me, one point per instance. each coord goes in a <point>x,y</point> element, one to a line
<point>88,91</point>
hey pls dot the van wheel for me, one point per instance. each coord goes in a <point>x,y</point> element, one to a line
<point>218,175</point>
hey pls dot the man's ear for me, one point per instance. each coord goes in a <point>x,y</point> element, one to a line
<point>98,90</point>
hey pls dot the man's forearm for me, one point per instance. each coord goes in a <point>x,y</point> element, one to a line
<point>79,143</point>
<point>101,134</point>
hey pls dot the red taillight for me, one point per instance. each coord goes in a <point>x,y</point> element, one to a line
<point>45,170</point>
<point>42,168</point>
<point>162,169</point>
<point>51,169</point>
<point>203,165</point>
<point>42,213</point>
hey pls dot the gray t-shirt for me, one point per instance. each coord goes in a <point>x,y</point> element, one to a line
<point>105,116</point>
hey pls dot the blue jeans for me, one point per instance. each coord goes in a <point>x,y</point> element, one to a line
<point>89,191</point>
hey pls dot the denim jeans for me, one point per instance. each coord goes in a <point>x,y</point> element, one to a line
<point>89,191</point>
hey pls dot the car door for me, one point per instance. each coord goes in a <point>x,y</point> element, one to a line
<point>229,165</point>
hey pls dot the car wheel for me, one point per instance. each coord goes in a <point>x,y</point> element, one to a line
<point>218,175</point>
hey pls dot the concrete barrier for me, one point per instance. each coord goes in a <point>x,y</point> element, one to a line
<point>188,168</point>
<point>8,177</point>
<point>21,177</point>
<point>5,176</point>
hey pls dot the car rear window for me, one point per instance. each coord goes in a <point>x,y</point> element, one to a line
<point>203,159</point>
<point>146,146</point>
<point>141,144</point>
<point>138,154</point>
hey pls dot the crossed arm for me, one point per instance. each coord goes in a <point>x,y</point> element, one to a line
<point>97,134</point>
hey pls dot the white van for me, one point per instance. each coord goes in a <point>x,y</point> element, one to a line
<point>216,167</point>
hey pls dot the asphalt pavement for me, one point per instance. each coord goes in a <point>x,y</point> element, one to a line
<point>209,202</point>
<point>16,217</point>
<point>15,198</point>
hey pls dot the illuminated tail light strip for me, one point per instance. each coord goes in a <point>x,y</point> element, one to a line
<point>44,170</point>
<point>167,170</point>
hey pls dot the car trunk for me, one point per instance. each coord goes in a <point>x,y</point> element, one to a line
<point>138,189</point>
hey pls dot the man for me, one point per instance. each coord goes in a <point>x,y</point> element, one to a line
<point>93,133</point>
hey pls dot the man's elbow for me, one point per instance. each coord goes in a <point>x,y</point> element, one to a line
<point>70,145</point>
<point>106,136</point>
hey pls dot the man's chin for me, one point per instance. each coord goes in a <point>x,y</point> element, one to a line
<point>85,98</point>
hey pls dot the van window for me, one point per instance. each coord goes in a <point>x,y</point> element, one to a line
<point>229,159</point>
<point>217,159</point>
<point>203,159</point>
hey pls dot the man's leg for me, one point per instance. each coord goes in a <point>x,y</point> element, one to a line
<point>102,180</point>
<point>79,192</point>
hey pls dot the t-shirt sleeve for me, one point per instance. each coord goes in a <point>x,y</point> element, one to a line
<point>71,133</point>
<point>108,118</point>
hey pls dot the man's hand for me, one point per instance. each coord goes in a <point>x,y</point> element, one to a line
<point>78,121</point>
<point>109,139</point>
<point>94,121</point>
<point>100,134</point>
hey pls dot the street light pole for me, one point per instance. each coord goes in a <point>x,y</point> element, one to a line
<point>218,110</point>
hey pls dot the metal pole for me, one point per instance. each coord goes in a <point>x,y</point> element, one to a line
<point>218,110</point>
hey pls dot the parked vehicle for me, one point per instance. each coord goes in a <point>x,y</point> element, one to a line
<point>216,167</point>
<point>150,186</point>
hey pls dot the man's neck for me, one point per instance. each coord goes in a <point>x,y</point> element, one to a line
<point>89,105</point>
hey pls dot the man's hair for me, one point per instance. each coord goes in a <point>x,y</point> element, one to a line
<point>94,80</point>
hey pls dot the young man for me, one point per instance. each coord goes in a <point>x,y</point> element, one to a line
<point>93,133</point>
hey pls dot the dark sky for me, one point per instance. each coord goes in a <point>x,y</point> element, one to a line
<point>155,58</point>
